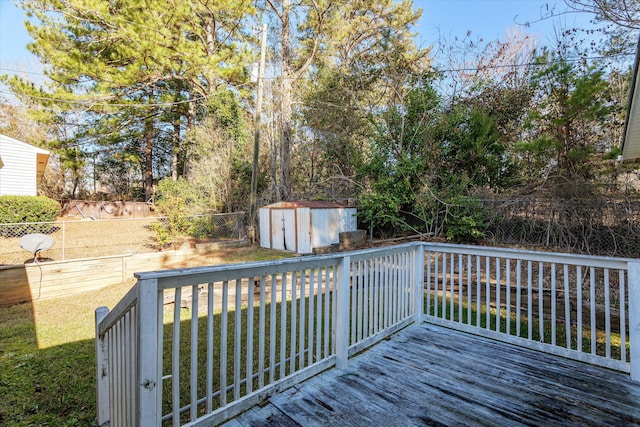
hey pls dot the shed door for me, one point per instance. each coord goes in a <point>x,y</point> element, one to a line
<point>283,229</point>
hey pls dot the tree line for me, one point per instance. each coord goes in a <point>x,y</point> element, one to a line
<point>145,98</point>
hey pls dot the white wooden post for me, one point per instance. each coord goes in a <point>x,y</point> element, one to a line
<point>147,386</point>
<point>102,372</point>
<point>634,318</point>
<point>418,284</point>
<point>342,315</point>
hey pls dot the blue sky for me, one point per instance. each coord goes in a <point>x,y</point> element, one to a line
<point>488,19</point>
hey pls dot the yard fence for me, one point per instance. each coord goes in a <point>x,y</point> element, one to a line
<point>96,238</point>
<point>610,228</point>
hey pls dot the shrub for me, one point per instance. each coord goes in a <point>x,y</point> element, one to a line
<point>21,209</point>
<point>466,220</point>
<point>174,200</point>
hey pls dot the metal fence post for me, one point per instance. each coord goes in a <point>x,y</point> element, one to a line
<point>342,315</point>
<point>633,268</point>
<point>418,284</point>
<point>102,371</point>
<point>148,380</point>
<point>63,238</point>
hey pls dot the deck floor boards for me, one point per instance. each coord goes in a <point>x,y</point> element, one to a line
<point>427,375</point>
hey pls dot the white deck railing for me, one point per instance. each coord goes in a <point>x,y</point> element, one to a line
<point>557,303</point>
<point>253,329</point>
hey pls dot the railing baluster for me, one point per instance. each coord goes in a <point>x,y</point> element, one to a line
<point>377,299</point>
<point>210,341</point>
<point>469,289</point>
<point>237,345</point>
<point>283,326</point>
<point>359,307</point>
<point>311,314</point>
<point>579,308</point>
<point>303,297</point>
<point>541,301</point>
<point>273,327</point>
<point>518,295</point>
<point>478,291</point>
<point>452,281</point>
<point>428,257</point>
<point>261,331</point>
<point>529,300</point>
<point>294,321</point>
<point>367,298</point>
<point>193,404</point>
<point>319,316</point>
<point>327,310</point>
<point>436,281</point>
<point>460,288</point>
<point>444,286</point>
<point>554,315</point>
<point>592,296</point>
<point>498,286</point>
<point>567,307</point>
<point>487,284</point>
<point>354,308</point>
<point>623,315</point>
<point>607,314</point>
<point>175,358</point>
<point>507,297</point>
<point>223,342</point>
<point>249,366</point>
<point>334,311</point>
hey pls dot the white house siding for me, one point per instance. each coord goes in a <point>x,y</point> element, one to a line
<point>19,166</point>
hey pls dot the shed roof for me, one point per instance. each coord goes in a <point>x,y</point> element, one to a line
<point>308,204</point>
<point>631,136</point>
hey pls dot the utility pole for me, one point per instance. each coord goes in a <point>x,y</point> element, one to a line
<point>256,141</point>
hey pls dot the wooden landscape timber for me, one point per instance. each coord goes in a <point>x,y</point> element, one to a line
<point>52,279</point>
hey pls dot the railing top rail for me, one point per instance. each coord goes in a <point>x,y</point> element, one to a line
<point>528,255</point>
<point>194,275</point>
<point>119,310</point>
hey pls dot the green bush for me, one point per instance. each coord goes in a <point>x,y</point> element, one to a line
<point>21,209</point>
<point>175,201</point>
<point>466,220</point>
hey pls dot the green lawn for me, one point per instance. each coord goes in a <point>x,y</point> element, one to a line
<point>47,355</point>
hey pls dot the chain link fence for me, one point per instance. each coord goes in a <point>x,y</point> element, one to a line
<point>94,238</point>
<point>609,228</point>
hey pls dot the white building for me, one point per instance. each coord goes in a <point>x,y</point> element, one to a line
<point>21,167</point>
<point>301,226</point>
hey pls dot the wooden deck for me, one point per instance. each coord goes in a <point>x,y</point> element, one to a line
<point>431,376</point>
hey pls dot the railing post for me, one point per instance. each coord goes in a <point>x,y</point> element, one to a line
<point>633,268</point>
<point>147,385</point>
<point>418,285</point>
<point>102,372</point>
<point>342,315</point>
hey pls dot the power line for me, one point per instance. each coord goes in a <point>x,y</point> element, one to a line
<point>104,103</point>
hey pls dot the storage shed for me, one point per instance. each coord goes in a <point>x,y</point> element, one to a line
<point>302,226</point>
<point>21,167</point>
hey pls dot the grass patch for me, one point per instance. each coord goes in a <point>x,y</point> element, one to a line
<point>536,335</point>
<point>47,355</point>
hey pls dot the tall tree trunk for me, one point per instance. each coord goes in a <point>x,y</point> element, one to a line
<point>148,158</point>
<point>175,149</point>
<point>285,104</point>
